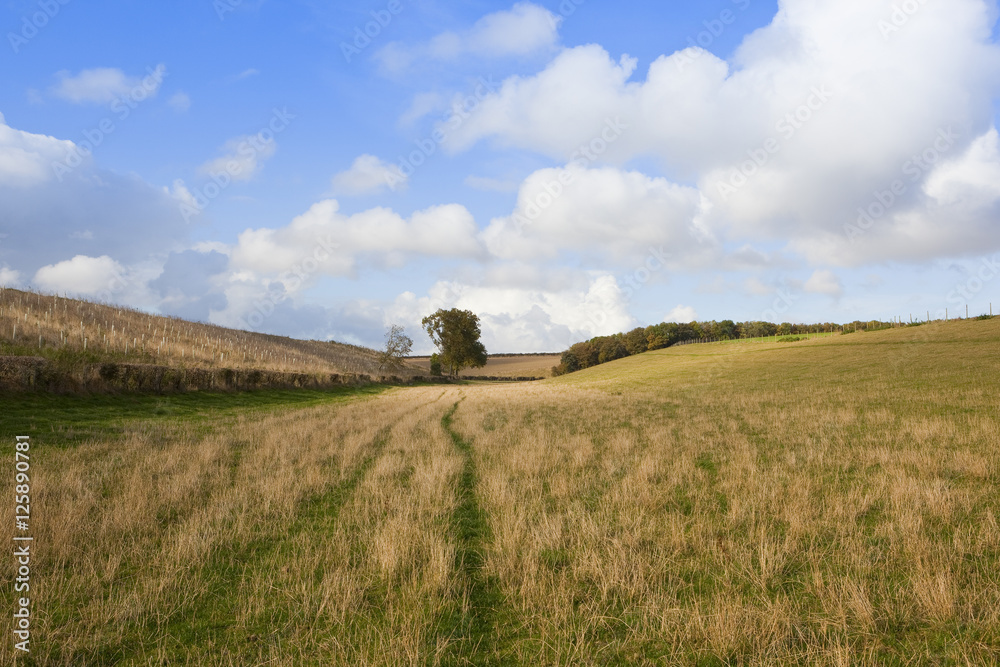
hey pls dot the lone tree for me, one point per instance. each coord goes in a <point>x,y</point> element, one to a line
<point>397,348</point>
<point>456,334</point>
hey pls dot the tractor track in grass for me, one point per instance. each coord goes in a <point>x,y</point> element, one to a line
<point>232,563</point>
<point>476,633</point>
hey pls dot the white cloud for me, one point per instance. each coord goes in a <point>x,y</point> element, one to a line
<point>323,241</point>
<point>555,112</point>
<point>80,275</point>
<point>104,85</point>
<point>606,215</point>
<point>247,73</point>
<point>368,175</point>
<point>523,30</point>
<point>26,159</point>
<point>180,192</point>
<point>972,180</point>
<point>9,277</point>
<point>422,105</point>
<point>180,102</point>
<point>49,216</point>
<point>681,315</point>
<point>242,158</point>
<point>826,282</point>
<point>859,122</point>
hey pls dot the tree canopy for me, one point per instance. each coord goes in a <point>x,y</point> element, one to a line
<point>603,349</point>
<point>456,335</point>
<point>397,347</point>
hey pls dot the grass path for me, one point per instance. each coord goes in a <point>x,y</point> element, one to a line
<point>478,624</point>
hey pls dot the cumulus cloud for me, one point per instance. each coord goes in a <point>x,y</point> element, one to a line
<point>50,210</point>
<point>180,193</point>
<point>323,241</point>
<point>971,180</point>
<point>607,215</point>
<point>523,30</point>
<point>681,315</point>
<point>191,284</point>
<point>368,175</point>
<point>104,85</point>
<point>26,158</point>
<point>82,275</point>
<point>9,277</point>
<point>826,121</point>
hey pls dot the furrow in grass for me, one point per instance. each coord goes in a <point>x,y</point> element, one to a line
<point>233,563</point>
<point>474,630</point>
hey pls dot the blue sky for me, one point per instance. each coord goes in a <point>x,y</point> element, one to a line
<point>257,165</point>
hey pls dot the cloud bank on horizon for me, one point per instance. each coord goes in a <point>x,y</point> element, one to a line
<point>842,153</point>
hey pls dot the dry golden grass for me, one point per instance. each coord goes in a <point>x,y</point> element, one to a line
<point>833,502</point>
<point>53,326</point>
<point>534,366</point>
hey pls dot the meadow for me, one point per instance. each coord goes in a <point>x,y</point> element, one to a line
<point>505,366</point>
<point>823,502</point>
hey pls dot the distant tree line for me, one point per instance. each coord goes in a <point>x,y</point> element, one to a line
<point>603,349</point>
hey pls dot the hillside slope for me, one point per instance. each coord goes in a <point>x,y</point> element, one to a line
<point>956,352</point>
<point>73,333</point>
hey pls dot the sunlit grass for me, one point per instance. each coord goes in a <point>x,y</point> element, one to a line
<point>830,502</point>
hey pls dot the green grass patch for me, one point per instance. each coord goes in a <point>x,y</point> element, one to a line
<point>477,629</point>
<point>65,420</point>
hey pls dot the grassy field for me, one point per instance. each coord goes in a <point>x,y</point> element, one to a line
<point>535,366</point>
<point>825,502</point>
